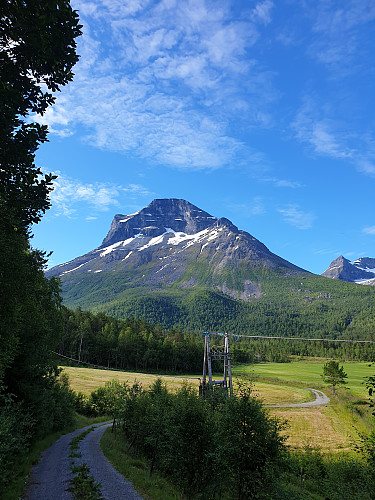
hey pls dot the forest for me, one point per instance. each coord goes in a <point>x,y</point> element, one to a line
<point>297,304</point>
<point>37,54</point>
<point>134,344</point>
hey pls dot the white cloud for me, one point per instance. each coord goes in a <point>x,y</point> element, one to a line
<point>163,81</point>
<point>369,230</point>
<point>69,194</point>
<point>293,215</point>
<point>334,138</point>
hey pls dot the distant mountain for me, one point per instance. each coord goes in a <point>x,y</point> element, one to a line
<point>175,264</point>
<point>360,271</point>
<point>173,243</point>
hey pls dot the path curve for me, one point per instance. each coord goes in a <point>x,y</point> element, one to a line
<point>320,399</point>
<point>51,477</point>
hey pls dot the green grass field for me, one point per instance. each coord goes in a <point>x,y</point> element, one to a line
<point>332,428</point>
<point>306,373</point>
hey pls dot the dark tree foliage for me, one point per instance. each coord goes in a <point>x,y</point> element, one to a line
<point>370,385</point>
<point>37,51</point>
<point>134,344</point>
<point>232,449</point>
<point>333,374</point>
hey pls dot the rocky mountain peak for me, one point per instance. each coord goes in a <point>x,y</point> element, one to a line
<point>155,219</point>
<point>358,271</point>
<point>366,263</point>
<point>171,242</point>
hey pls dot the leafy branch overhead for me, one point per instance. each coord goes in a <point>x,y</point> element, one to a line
<point>37,54</point>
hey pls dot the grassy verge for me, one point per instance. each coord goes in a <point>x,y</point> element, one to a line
<point>333,428</point>
<point>16,488</point>
<point>136,469</point>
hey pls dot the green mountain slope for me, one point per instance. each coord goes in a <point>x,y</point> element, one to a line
<point>175,264</point>
<point>287,304</point>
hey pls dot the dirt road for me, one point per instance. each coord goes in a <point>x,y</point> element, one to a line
<point>320,399</point>
<point>50,478</point>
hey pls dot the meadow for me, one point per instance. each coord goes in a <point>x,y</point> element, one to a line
<point>332,428</point>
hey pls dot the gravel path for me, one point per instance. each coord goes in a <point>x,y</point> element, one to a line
<point>320,399</point>
<point>51,477</point>
<point>114,485</point>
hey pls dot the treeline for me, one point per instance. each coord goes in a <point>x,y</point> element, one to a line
<point>37,53</point>
<point>128,344</point>
<point>134,344</point>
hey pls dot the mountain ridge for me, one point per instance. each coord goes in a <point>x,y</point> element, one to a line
<point>173,264</point>
<point>360,271</point>
<point>171,241</point>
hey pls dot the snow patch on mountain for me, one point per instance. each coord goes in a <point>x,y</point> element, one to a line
<point>368,270</point>
<point>70,270</point>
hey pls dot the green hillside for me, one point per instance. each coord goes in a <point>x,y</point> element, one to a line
<point>290,303</point>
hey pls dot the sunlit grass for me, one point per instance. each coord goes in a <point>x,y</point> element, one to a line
<point>307,374</point>
<point>333,428</point>
<point>87,380</point>
<point>135,469</point>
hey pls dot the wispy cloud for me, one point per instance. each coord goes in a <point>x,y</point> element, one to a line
<point>70,194</point>
<point>315,124</point>
<point>262,11</point>
<point>283,183</point>
<point>369,230</point>
<point>168,81</point>
<point>327,251</point>
<point>293,215</point>
<point>339,30</point>
<point>254,207</point>
<point>312,126</point>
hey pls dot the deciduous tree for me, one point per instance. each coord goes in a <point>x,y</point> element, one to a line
<point>37,54</point>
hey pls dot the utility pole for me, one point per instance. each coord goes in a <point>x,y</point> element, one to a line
<point>217,352</point>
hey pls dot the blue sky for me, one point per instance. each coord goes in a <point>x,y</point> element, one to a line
<point>258,111</point>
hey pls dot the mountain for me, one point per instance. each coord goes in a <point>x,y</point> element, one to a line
<point>360,271</point>
<point>175,264</point>
<point>173,243</point>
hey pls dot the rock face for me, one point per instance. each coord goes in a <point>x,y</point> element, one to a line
<point>179,215</point>
<point>172,242</point>
<point>360,271</point>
